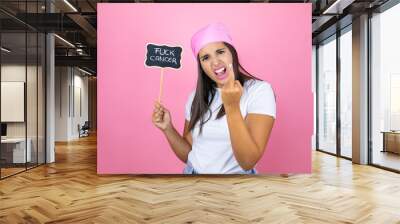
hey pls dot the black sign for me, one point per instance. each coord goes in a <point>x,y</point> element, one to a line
<point>163,56</point>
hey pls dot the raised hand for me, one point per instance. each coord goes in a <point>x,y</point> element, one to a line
<point>231,91</point>
<point>161,117</point>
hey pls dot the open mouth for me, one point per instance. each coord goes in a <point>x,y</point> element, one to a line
<point>221,73</point>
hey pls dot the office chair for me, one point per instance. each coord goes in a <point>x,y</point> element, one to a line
<point>84,130</point>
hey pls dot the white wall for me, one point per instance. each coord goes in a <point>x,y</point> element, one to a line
<point>15,72</point>
<point>79,117</point>
<point>71,93</point>
<point>61,103</point>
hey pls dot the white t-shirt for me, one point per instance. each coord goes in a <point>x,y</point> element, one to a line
<point>212,150</point>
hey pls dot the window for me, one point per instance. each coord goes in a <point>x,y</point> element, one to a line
<point>346,92</point>
<point>385,88</point>
<point>327,95</point>
<point>22,65</point>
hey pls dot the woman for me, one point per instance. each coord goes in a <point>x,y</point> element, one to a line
<point>228,118</point>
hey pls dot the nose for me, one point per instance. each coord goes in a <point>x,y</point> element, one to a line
<point>216,62</point>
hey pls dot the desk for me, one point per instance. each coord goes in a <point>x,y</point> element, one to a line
<point>391,141</point>
<point>15,148</point>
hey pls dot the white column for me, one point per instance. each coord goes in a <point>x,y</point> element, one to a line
<point>50,100</point>
<point>360,90</point>
<point>50,91</point>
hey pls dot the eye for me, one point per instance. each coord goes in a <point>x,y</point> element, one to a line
<point>204,58</point>
<point>220,51</point>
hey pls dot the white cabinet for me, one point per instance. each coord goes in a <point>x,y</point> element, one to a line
<point>18,149</point>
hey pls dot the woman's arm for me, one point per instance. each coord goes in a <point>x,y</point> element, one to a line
<point>180,145</point>
<point>249,136</point>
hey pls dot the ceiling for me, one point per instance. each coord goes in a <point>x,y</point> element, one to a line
<point>76,22</point>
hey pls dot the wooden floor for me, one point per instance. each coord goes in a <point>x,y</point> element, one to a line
<point>387,159</point>
<point>5,172</point>
<point>70,191</point>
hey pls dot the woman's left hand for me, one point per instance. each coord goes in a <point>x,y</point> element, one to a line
<point>231,92</point>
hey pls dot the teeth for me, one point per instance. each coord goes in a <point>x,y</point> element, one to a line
<point>220,70</point>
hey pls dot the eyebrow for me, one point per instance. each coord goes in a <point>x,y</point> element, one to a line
<point>216,51</point>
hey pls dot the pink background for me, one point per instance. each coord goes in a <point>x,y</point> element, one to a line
<point>273,42</point>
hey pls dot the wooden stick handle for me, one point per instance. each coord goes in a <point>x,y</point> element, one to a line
<point>161,85</point>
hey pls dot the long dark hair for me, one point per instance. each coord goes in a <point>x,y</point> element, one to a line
<point>206,88</point>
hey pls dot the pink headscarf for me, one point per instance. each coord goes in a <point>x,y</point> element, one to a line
<point>213,32</point>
